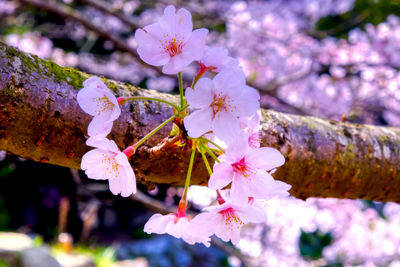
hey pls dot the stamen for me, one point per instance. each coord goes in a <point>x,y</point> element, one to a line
<point>103,104</point>
<point>231,220</point>
<point>242,168</point>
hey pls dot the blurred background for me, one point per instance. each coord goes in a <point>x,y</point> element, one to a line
<point>336,59</point>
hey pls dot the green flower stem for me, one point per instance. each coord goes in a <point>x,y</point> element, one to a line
<point>213,143</point>
<point>181,90</point>
<point>205,161</point>
<point>153,99</point>
<point>211,153</point>
<point>189,172</point>
<point>141,141</point>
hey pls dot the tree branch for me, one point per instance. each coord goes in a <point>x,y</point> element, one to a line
<point>41,120</point>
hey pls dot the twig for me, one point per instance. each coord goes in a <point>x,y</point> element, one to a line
<point>68,13</point>
<point>105,8</point>
<point>160,207</point>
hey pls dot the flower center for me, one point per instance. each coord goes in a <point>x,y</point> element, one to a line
<point>173,46</point>
<point>103,104</point>
<point>242,168</point>
<point>112,165</point>
<point>231,220</point>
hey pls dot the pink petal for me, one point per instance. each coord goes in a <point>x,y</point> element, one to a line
<point>158,223</point>
<point>183,24</point>
<point>221,176</point>
<point>90,164</point>
<point>177,63</point>
<point>99,127</point>
<point>102,143</point>
<point>229,82</point>
<point>87,100</point>
<point>153,55</point>
<point>251,213</point>
<point>226,126</point>
<point>198,122</point>
<point>239,189</point>
<point>265,158</point>
<point>247,103</point>
<point>263,186</point>
<point>201,96</point>
<point>237,149</point>
<point>196,44</point>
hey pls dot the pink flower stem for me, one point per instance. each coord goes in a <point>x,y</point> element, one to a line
<point>220,199</point>
<point>129,151</point>
<point>203,69</point>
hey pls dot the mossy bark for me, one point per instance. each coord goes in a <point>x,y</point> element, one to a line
<point>40,120</point>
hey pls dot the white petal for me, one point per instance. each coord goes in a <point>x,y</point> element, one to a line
<point>222,175</point>
<point>251,213</point>
<point>265,158</point>
<point>226,126</point>
<point>247,103</point>
<point>87,100</point>
<point>91,163</point>
<point>102,143</point>
<point>215,57</point>
<point>237,149</point>
<point>177,63</point>
<point>263,186</point>
<point>196,44</point>
<point>204,223</point>
<point>201,96</point>
<point>198,122</point>
<point>153,55</point>
<point>231,83</point>
<point>239,189</point>
<point>127,176</point>
<point>183,24</point>
<point>99,127</point>
<point>158,223</point>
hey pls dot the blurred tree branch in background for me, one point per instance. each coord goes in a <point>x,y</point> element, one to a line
<point>41,120</point>
<point>66,12</point>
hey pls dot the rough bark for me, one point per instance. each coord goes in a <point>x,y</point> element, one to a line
<point>41,120</point>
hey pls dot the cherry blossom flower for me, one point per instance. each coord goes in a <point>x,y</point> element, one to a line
<point>171,42</point>
<point>226,220</point>
<point>216,59</point>
<point>220,102</point>
<point>247,169</point>
<point>106,161</point>
<point>97,100</point>
<point>251,128</point>
<point>176,226</point>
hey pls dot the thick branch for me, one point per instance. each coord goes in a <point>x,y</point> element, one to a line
<point>41,120</point>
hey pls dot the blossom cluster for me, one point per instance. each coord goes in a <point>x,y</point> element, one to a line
<point>223,123</point>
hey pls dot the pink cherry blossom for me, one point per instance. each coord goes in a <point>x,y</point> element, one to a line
<point>106,161</point>
<point>251,128</point>
<point>219,103</point>
<point>216,59</point>
<point>176,226</point>
<point>226,220</point>
<point>97,100</point>
<point>170,42</point>
<point>247,169</point>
